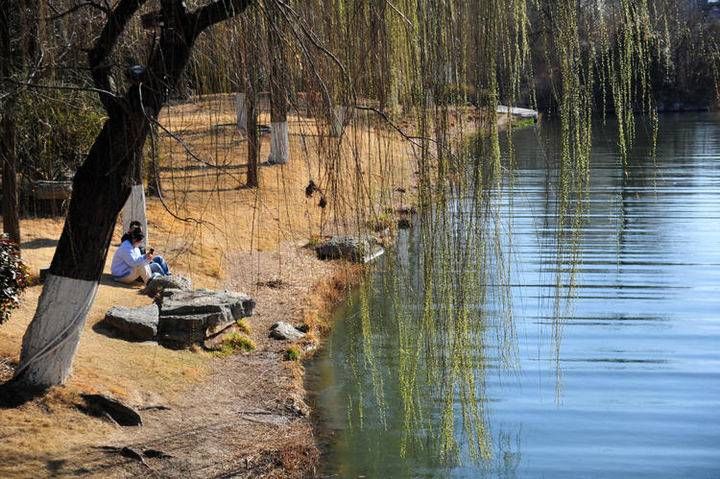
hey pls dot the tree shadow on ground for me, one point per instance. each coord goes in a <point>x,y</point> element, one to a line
<point>39,243</point>
<point>14,394</point>
<point>107,280</point>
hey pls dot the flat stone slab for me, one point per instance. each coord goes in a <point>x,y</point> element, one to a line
<point>203,301</point>
<point>358,249</point>
<point>136,324</point>
<point>283,330</point>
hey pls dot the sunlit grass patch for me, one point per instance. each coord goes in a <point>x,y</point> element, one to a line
<point>235,343</point>
<point>243,326</point>
<point>293,353</point>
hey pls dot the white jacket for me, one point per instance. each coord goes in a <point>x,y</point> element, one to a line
<point>126,259</point>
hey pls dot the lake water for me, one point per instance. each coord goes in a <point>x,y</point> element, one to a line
<point>630,384</point>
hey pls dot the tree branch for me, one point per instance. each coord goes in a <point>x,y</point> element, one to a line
<point>98,56</point>
<point>216,12</point>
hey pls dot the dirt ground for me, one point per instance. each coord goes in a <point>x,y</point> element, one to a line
<point>237,416</point>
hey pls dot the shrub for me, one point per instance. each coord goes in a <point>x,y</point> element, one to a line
<point>55,132</point>
<point>13,277</point>
<point>293,353</point>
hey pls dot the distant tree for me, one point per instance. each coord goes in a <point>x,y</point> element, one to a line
<point>279,86</point>
<point>12,19</point>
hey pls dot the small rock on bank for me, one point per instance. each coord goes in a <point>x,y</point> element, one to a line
<point>283,330</point>
<point>358,249</point>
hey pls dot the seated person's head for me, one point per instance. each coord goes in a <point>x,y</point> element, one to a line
<point>136,236</point>
<point>135,225</point>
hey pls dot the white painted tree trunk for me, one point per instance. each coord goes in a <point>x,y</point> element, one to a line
<point>279,143</point>
<point>52,338</point>
<point>339,120</point>
<point>135,210</point>
<point>241,112</point>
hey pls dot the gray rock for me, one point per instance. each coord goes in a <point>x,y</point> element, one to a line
<point>185,330</point>
<point>283,330</point>
<point>137,324</point>
<point>109,407</point>
<point>191,317</point>
<point>297,406</point>
<point>359,249</point>
<point>203,301</point>
<point>160,283</point>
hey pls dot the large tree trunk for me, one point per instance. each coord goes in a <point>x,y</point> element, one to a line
<point>100,188</point>
<point>102,184</point>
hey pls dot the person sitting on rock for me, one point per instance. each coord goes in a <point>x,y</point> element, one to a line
<point>158,263</point>
<point>128,263</point>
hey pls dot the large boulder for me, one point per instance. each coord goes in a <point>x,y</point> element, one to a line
<point>358,249</point>
<point>201,301</point>
<point>191,317</point>
<point>136,324</point>
<point>283,330</point>
<point>159,284</point>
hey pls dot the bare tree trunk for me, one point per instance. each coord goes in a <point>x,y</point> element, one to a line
<point>241,113</point>
<point>8,154</point>
<point>135,208</point>
<point>279,141</point>
<point>251,100</point>
<point>10,207</point>
<point>102,184</point>
<point>253,138</point>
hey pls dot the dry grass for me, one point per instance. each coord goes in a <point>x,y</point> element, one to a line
<point>358,180</point>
